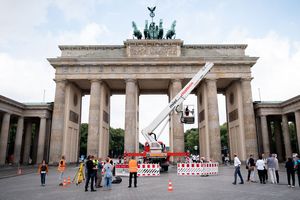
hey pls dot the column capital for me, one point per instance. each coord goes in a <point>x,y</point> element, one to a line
<point>95,80</point>
<point>133,80</point>
<point>176,80</point>
<point>246,79</point>
<point>60,81</point>
<point>210,80</point>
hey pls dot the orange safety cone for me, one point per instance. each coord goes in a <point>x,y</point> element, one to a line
<point>170,187</point>
<point>65,183</point>
<point>69,180</point>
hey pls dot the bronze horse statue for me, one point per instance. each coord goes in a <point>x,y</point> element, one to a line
<point>171,32</point>
<point>136,32</point>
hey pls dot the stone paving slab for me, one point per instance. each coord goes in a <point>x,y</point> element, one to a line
<point>184,187</point>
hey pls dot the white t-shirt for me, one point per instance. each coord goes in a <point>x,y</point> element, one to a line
<point>260,164</point>
<point>237,161</point>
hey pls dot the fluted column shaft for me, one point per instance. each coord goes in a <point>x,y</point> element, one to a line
<point>131,108</point>
<point>286,136</point>
<point>249,121</point>
<point>213,120</point>
<point>4,137</point>
<point>297,119</point>
<point>265,135</point>
<point>58,121</point>
<point>18,140</point>
<point>41,140</point>
<point>93,131</point>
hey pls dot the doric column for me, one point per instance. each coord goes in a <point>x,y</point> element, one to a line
<point>297,119</point>
<point>265,135</point>
<point>177,132</point>
<point>131,108</point>
<point>249,122</point>
<point>93,132</point>
<point>58,121</point>
<point>41,141</point>
<point>27,142</point>
<point>286,136</point>
<point>278,139</point>
<point>4,137</point>
<point>213,120</point>
<point>18,140</point>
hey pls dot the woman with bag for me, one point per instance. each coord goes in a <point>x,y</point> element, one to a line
<point>107,174</point>
<point>43,171</point>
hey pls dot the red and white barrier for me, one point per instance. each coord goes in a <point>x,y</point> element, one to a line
<point>143,170</point>
<point>196,169</point>
<point>148,170</point>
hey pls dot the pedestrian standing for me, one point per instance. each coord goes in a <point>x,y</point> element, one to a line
<point>251,167</point>
<point>297,167</point>
<point>107,174</point>
<point>95,161</point>
<point>271,168</point>
<point>276,168</point>
<point>99,173</point>
<point>43,171</point>
<point>133,168</point>
<point>61,168</point>
<point>237,165</point>
<point>266,167</point>
<point>290,171</point>
<point>90,173</point>
<point>260,165</point>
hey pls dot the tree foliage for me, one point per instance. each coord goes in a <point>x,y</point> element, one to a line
<point>116,142</point>
<point>191,139</point>
<point>83,138</point>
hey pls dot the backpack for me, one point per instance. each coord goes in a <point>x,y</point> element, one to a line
<point>117,180</point>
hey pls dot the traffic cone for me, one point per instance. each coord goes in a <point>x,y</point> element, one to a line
<point>65,183</point>
<point>69,180</point>
<point>170,187</point>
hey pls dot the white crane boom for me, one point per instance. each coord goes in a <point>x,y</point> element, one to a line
<point>177,100</point>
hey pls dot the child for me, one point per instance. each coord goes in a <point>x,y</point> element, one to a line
<point>43,170</point>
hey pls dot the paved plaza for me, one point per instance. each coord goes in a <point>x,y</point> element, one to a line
<point>27,186</point>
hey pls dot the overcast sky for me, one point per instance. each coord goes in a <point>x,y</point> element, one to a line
<point>31,31</point>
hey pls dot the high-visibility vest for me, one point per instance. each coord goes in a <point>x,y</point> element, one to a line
<point>132,165</point>
<point>62,165</point>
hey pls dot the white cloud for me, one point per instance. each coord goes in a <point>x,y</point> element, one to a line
<point>92,33</point>
<point>26,80</point>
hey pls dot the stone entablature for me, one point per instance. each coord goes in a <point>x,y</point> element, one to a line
<point>25,110</point>
<point>153,48</point>
<point>277,108</point>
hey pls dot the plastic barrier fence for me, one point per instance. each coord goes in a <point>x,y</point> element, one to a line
<point>196,169</point>
<point>143,170</point>
<point>148,170</point>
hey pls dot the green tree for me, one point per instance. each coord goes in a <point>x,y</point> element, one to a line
<point>224,135</point>
<point>116,142</point>
<point>293,136</point>
<point>191,139</point>
<point>83,138</point>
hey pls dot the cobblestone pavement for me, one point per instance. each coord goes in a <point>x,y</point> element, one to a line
<point>209,188</point>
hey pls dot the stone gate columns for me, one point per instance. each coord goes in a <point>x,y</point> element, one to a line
<point>27,142</point>
<point>278,139</point>
<point>249,122</point>
<point>176,128</point>
<point>18,139</point>
<point>4,137</point>
<point>41,140</point>
<point>58,121</point>
<point>213,120</point>
<point>286,136</point>
<point>131,140</point>
<point>297,120</point>
<point>265,135</point>
<point>93,132</point>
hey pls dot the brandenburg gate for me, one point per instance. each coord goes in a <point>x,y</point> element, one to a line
<point>151,66</point>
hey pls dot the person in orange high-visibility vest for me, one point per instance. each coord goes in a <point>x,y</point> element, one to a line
<point>133,168</point>
<point>61,168</point>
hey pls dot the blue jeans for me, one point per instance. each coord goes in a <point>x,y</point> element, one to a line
<point>237,172</point>
<point>107,182</point>
<point>43,178</point>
